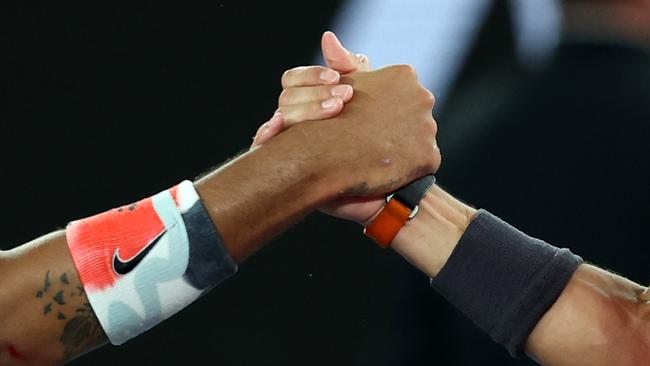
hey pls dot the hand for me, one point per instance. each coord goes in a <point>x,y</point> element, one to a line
<point>313,92</point>
<point>306,90</point>
<point>386,137</point>
<point>303,81</point>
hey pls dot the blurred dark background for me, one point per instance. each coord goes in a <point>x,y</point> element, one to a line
<point>545,125</point>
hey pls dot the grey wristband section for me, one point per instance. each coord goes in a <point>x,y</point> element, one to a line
<point>504,280</point>
<point>209,261</point>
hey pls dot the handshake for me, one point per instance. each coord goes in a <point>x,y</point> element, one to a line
<point>343,138</point>
<point>370,131</point>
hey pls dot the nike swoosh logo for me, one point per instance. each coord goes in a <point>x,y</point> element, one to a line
<point>123,267</point>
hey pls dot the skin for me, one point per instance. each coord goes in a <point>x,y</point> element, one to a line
<point>367,150</point>
<point>299,81</point>
<point>599,319</point>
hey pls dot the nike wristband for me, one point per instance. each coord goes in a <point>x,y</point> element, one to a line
<point>142,263</point>
<point>504,280</point>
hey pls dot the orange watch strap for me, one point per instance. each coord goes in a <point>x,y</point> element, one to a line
<point>388,223</point>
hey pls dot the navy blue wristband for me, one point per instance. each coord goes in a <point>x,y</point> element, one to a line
<point>504,280</point>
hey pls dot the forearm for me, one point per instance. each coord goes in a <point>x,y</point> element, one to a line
<point>46,317</point>
<point>44,312</point>
<point>263,192</point>
<point>599,318</point>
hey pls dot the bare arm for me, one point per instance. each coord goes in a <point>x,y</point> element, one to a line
<point>44,311</point>
<point>371,149</point>
<point>599,319</point>
<point>45,315</point>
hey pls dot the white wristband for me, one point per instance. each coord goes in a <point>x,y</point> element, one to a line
<point>142,263</point>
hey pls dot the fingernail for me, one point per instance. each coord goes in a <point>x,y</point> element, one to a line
<point>330,76</point>
<point>341,91</point>
<point>330,103</point>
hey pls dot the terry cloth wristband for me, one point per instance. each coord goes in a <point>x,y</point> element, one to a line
<point>142,263</point>
<point>504,280</point>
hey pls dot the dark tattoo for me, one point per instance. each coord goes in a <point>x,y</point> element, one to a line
<point>64,278</point>
<point>59,298</point>
<point>81,333</point>
<point>81,330</point>
<point>47,284</point>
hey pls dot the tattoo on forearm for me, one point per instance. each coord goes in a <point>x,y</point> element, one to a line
<point>81,333</point>
<point>68,303</point>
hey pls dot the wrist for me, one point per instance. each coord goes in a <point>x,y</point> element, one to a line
<point>430,237</point>
<point>258,195</point>
<point>326,166</point>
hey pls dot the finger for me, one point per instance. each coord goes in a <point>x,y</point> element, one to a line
<point>309,76</point>
<point>339,58</point>
<point>269,129</point>
<point>306,94</point>
<point>311,111</point>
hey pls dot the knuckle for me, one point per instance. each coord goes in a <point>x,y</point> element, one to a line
<point>408,70</point>
<point>285,97</point>
<point>427,98</point>
<point>286,77</point>
<point>404,73</point>
<point>402,69</point>
<point>317,70</point>
<point>434,127</point>
<point>411,71</point>
<point>431,99</point>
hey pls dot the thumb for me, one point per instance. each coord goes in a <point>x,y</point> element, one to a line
<point>339,58</point>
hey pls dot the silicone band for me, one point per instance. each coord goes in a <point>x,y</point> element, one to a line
<point>401,206</point>
<point>388,223</point>
<point>142,263</point>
